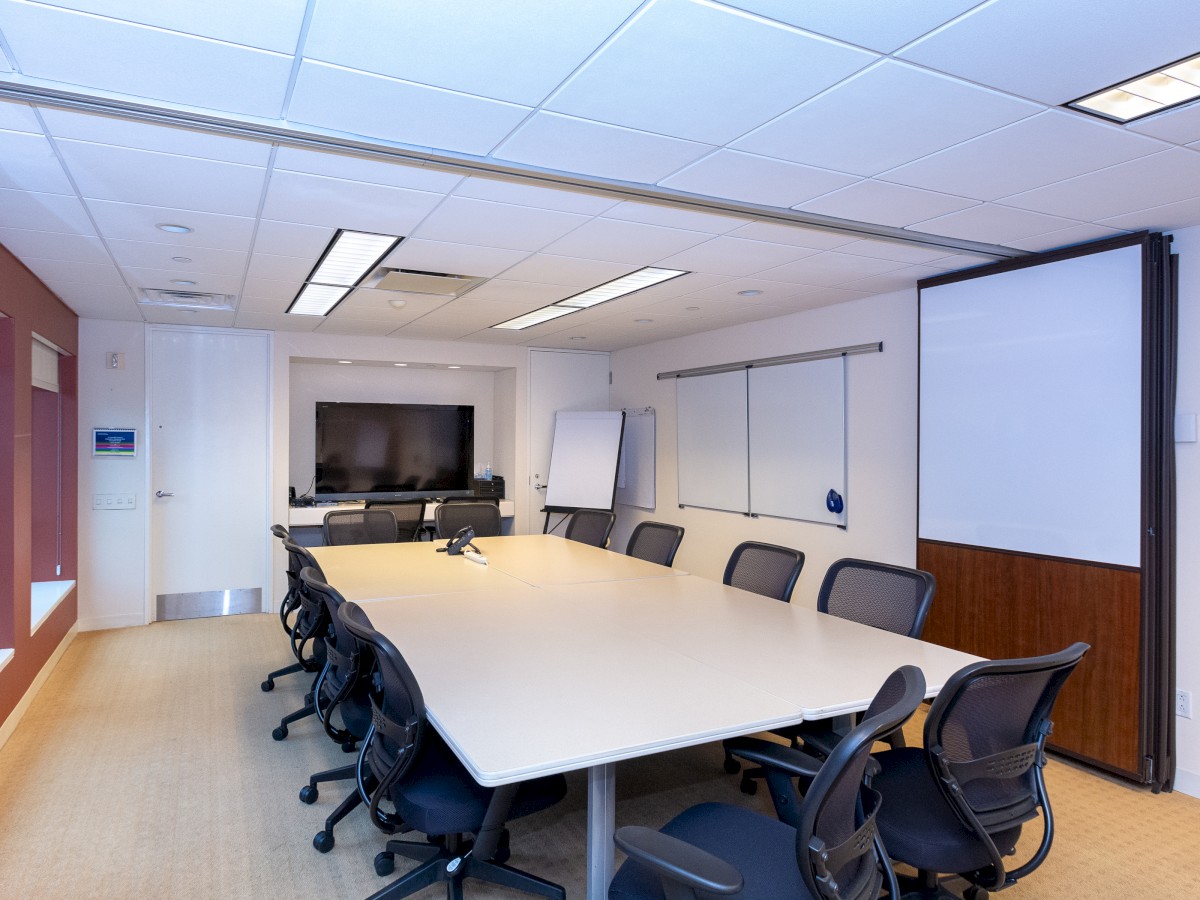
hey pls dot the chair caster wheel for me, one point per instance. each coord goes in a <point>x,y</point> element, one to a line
<point>385,863</point>
<point>279,733</point>
<point>309,794</point>
<point>268,685</point>
<point>732,766</point>
<point>974,892</point>
<point>749,786</point>
<point>349,746</point>
<point>323,841</point>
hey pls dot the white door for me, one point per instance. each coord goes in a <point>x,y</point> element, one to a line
<point>558,380</point>
<point>209,486</point>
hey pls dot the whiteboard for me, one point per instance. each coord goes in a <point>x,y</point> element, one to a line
<point>798,439</point>
<point>583,460</point>
<point>1030,409</point>
<point>714,463</point>
<point>635,474</point>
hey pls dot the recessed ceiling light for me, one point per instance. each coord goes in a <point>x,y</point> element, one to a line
<point>643,321</point>
<point>350,257</point>
<point>173,229</point>
<point>345,362</point>
<point>181,281</point>
<point>578,338</point>
<point>692,308</point>
<point>181,259</point>
<point>749,293</point>
<point>400,364</point>
<point>398,303</point>
<point>317,300</point>
<point>1164,88</point>
<point>610,290</point>
<point>453,367</point>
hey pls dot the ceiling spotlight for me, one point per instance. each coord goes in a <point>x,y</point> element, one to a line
<point>398,303</point>
<point>345,362</point>
<point>400,364</point>
<point>749,293</point>
<point>181,259</point>
<point>182,281</point>
<point>453,367</point>
<point>173,229</point>
<point>579,338</point>
<point>643,321</point>
<point>692,308</point>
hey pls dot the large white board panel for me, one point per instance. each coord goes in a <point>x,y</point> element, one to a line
<point>583,460</point>
<point>1030,409</point>
<point>713,456</point>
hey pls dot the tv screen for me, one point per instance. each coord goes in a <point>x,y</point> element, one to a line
<point>382,450</point>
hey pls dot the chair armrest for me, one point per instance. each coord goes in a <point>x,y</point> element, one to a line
<point>775,756</point>
<point>678,861</point>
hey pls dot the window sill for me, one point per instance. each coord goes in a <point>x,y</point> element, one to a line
<point>44,599</point>
<point>5,656</point>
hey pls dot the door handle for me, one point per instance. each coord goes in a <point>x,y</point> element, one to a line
<point>163,494</point>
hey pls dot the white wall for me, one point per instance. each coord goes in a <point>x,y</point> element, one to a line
<point>881,436</point>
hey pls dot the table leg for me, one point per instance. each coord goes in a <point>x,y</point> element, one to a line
<point>601,812</point>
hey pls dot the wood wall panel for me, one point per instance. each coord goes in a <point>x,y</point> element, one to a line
<point>1001,605</point>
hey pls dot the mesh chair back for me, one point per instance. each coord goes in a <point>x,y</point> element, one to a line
<point>410,516</point>
<point>836,842</point>
<point>655,542</point>
<point>984,735</point>
<point>360,526</point>
<point>764,569</point>
<point>481,516</point>
<point>347,662</point>
<point>590,526</point>
<point>892,598</point>
<point>311,624</point>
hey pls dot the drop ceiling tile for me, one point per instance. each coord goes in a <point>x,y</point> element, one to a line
<point>501,225</point>
<point>624,242</point>
<point>545,268</point>
<point>830,268</point>
<point>503,191</point>
<point>508,49</point>
<point>98,301</point>
<point>869,23</point>
<point>899,280</point>
<point>882,203</point>
<point>828,296</point>
<point>756,179</point>
<point>568,144</point>
<point>1066,237</point>
<point>163,279</point>
<point>103,172</point>
<point>209,318</point>
<point>1168,217</point>
<point>99,129</point>
<point>992,223</point>
<point>472,313</point>
<point>280,268</point>
<point>905,253</point>
<point>360,103</point>
<point>48,245</point>
<point>43,212</point>
<point>1179,126</point>
<point>703,72</point>
<point>290,239</point>
<point>448,330</point>
<point>696,307</point>
<point>672,217</point>
<point>333,202</point>
<point>282,292</point>
<point>881,118</point>
<point>371,304</point>
<point>81,49</point>
<point>276,321</point>
<point>772,293</point>
<point>1139,184</point>
<point>362,327</point>
<point>63,270</point>
<point>370,171</point>
<point>1033,152</point>
<point>453,259</point>
<point>30,164</point>
<point>527,294</point>
<point>134,222</point>
<point>18,116</point>
<point>159,256</point>
<point>796,235</point>
<point>1056,52</point>
<point>959,262</point>
<point>733,256</point>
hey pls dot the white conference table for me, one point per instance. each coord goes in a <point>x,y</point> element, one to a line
<point>558,656</point>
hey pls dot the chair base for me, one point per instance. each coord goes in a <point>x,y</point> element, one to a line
<point>927,886</point>
<point>451,864</point>
<point>309,708</point>
<point>269,684</point>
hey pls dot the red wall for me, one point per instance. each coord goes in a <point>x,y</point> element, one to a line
<point>30,307</point>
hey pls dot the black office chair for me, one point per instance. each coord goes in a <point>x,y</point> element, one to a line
<point>764,569</point>
<point>406,765</point>
<point>360,526</point>
<point>480,515</point>
<point>655,542</point>
<point>892,598</point>
<point>287,608</point>
<point>958,804</point>
<point>590,526</point>
<point>341,691</point>
<point>822,847</point>
<point>307,637</point>
<point>410,517</point>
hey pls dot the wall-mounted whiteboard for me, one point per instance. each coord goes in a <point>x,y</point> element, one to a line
<point>1030,416</point>
<point>767,440</point>
<point>583,460</point>
<point>635,474</point>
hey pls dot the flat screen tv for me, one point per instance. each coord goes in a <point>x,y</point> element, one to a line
<point>393,450</point>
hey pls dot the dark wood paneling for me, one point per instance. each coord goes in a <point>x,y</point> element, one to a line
<point>1004,605</point>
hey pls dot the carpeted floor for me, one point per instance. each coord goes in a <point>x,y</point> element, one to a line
<point>145,768</point>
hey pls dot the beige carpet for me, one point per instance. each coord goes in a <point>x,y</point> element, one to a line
<point>145,768</point>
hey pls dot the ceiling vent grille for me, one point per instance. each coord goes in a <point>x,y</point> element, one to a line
<point>186,299</point>
<point>414,281</point>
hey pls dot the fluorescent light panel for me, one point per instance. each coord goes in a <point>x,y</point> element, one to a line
<point>610,290</point>
<point>350,256</point>
<point>1164,88</point>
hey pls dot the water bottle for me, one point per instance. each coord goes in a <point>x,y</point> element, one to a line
<point>487,472</point>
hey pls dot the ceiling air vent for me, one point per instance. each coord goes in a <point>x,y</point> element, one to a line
<point>185,299</point>
<point>414,281</point>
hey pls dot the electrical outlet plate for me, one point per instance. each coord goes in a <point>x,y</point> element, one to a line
<point>1183,704</point>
